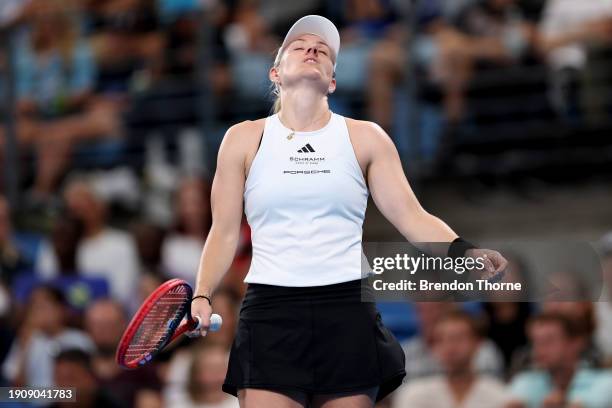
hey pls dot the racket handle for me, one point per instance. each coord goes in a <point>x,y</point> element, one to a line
<point>215,322</point>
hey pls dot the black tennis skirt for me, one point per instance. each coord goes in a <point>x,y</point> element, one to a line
<point>317,340</point>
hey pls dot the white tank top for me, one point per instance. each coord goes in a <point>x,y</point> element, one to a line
<point>305,200</point>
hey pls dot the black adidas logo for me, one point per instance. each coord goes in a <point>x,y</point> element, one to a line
<point>306,149</point>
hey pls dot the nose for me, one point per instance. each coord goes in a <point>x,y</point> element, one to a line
<point>311,49</point>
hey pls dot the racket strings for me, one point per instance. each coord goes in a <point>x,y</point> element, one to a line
<point>158,324</point>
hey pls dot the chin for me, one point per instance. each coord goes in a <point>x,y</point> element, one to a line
<point>312,76</point>
<point>311,72</point>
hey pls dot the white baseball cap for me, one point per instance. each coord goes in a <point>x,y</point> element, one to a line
<point>317,25</point>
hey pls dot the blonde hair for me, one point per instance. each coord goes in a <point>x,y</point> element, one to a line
<point>276,107</point>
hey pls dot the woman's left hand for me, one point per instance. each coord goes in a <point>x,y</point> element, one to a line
<point>494,263</point>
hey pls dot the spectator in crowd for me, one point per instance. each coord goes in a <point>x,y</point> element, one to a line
<point>508,313</point>
<point>456,342</point>
<point>182,31</point>
<point>181,249</point>
<point>420,360</point>
<point>102,251</point>
<point>582,316</point>
<point>147,284</point>
<point>558,378</point>
<point>387,63</point>
<point>362,24</point>
<point>250,43</point>
<point>568,30</point>
<point>59,255</point>
<point>507,326</point>
<point>55,78</point>
<point>6,330</point>
<point>42,333</point>
<point>12,261</point>
<point>127,42</point>
<point>603,308</point>
<point>181,35</point>
<point>149,239</point>
<point>205,375</point>
<point>12,12</point>
<point>73,369</point>
<point>447,49</point>
<point>105,321</point>
<point>501,31</point>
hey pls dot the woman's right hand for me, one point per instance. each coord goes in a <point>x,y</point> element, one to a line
<point>202,309</point>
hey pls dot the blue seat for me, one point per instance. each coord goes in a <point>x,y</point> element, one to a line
<point>400,318</point>
<point>80,291</point>
<point>28,244</point>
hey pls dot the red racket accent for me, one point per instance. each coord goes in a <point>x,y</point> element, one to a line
<point>156,324</point>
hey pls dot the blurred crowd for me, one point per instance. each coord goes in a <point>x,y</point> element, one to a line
<point>97,82</point>
<point>64,307</point>
<point>120,106</point>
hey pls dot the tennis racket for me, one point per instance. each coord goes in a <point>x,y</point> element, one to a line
<point>164,316</point>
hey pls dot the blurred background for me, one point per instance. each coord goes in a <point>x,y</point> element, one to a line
<point>112,115</point>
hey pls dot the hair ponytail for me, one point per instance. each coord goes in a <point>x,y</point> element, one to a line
<point>275,87</point>
<point>277,104</point>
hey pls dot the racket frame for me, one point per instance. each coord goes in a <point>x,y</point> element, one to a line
<point>183,326</point>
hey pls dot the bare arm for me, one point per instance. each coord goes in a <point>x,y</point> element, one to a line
<point>396,200</point>
<point>597,30</point>
<point>226,204</point>
<point>548,43</point>
<point>392,193</point>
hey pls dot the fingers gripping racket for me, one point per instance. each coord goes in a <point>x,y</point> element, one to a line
<point>158,322</point>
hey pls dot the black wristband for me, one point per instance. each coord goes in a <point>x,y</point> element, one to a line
<point>458,247</point>
<point>202,296</point>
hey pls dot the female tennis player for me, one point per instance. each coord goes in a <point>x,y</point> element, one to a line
<point>304,338</point>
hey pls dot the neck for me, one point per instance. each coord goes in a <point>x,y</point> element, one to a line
<point>460,383</point>
<point>54,331</point>
<point>93,228</point>
<point>304,109</point>
<point>459,378</point>
<point>562,376</point>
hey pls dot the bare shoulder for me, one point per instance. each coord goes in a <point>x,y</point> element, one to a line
<point>368,136</point>
<point>249,125</point>
<point>244,132</point>
<point>242,138</point>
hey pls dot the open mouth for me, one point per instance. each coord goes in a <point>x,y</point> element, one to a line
<point>311,61</point>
